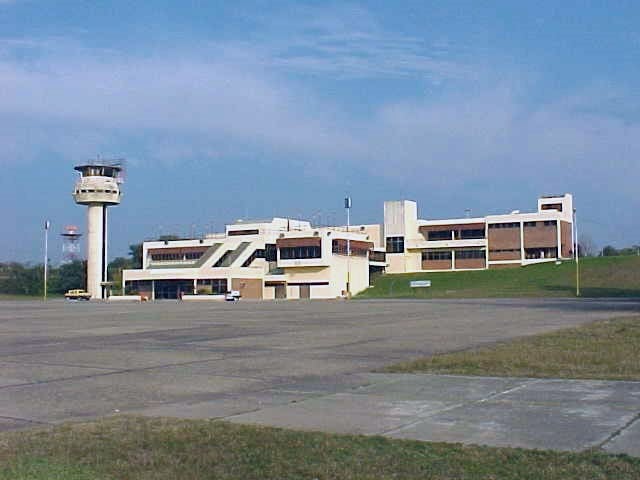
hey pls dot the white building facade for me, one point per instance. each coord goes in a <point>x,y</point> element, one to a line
<point>281,258</point>
<point>494,241</point>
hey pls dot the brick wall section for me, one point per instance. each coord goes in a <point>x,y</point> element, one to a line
<point>299,242</point>
<point>504,255</point>
<point>504,265</point>
<point>470,263</point>
<point>566,241</point>
<point>248,287</point>
<point>436,265</point>
<point>504,238</point>
<point>541,236</point>
<point>354,244</point>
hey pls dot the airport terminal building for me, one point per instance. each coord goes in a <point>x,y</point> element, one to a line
<point>280,258</point>
<point>286,258</point>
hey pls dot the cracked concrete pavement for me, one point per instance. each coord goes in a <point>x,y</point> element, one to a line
<point>307,365</point>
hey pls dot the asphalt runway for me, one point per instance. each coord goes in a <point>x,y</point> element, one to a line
<point>64,361</point>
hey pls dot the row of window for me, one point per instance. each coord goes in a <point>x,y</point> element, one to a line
<point>446,254</point>
<point>94,190</point>
<point>467,234</point>
<point>546,223</point>
<point>295,253</point>
<point>163,257</point>
<point>505,225</point>
<point>503,250</point>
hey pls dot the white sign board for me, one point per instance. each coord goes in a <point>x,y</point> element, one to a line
<point>420,283</point>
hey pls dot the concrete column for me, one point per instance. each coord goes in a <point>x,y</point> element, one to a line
<point>522,256</point>
<point>95,235</point>
<point>559,233</point>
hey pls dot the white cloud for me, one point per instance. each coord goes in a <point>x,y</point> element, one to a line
<point>348,42</point>
<point>75,103</point>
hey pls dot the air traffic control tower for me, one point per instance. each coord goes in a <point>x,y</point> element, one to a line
<point>97,188</point>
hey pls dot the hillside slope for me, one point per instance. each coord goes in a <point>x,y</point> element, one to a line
<point>599,277</point>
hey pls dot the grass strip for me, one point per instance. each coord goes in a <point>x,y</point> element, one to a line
<point>156,448</point>
<point>607,350</point>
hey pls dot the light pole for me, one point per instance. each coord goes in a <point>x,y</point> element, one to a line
<point>347,206</point>
<point>47,224</point>
<point>577,252</point>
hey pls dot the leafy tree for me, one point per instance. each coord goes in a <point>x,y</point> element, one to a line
<point>69,276</point>
<point>135,252</point>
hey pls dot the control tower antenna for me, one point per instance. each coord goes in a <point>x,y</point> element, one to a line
<point>98,187</point>
<point>70,244</point>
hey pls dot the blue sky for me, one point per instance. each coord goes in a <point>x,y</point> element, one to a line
<point>226,110</point>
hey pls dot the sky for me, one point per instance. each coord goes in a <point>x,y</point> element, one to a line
<point>255,109</point>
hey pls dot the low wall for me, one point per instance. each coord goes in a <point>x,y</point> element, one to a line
<point>202,298</point>
<point>125,298</point>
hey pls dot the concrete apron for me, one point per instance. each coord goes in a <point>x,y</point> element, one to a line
<point>556,414</point>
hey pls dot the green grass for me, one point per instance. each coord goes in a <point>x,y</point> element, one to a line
<point>142,448</point>
<point>30,468</point>
<point>602,350</point>
<point>600,277</point>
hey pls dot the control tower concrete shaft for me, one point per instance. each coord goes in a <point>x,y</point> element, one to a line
<point>97,188</point>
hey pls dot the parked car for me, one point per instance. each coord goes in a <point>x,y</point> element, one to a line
<point>232,296</point>
<point>77,294</point>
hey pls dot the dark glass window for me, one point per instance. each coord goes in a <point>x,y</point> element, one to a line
<point>297,253</point>
<point>223,261</point>
<point>505,225</point>
<point>270,252</point>
<point>437,255</point>
<point>236,233</point>
<point>464,254</point>
<point>439,235</point>
<point>395,244</point>
<point>218,285</point>
<point>472,233</point>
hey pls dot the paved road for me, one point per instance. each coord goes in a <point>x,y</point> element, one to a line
<point>252,361</point>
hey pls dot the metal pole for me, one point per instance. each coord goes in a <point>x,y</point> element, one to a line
<point>46,255</point>
<point>577,253</point>
<point>347,205</point>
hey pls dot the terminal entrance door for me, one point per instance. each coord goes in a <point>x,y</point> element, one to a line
<point>281,291</point>
<point>172,289</point>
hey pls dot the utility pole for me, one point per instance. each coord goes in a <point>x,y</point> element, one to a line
<point>47,224</point>
<point>347,206</point>
<point>577,253</point>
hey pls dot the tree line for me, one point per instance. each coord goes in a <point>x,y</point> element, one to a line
<point>25,279</point>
